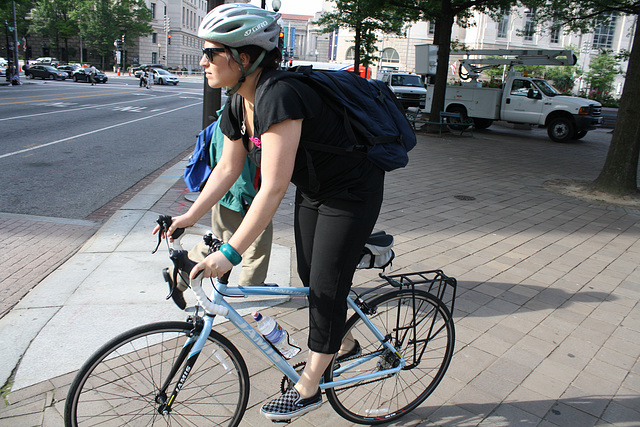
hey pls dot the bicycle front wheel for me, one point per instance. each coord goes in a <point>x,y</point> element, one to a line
<point>421,328</point>
<point>121,383</point>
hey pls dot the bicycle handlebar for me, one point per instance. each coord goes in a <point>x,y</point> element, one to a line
<point>182,262</point>
<point>209,306</point>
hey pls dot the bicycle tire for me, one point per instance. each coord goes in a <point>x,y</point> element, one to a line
<point>118,385</point>
<point>388,398</point>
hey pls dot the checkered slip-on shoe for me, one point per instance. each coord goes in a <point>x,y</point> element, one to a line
<point>290,405</point>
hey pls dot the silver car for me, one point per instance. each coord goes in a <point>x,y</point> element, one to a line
<point>163,77</point>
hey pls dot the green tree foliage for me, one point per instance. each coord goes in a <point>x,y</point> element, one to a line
<point>103,21</point>
<point>563,78</point>
<point>53,19</point>
<point>619,175</point>
<point>366,17</point>
<point>602,72</point>
<point>23,7</point>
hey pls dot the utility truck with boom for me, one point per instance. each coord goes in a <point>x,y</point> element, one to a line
<point>522,100</point>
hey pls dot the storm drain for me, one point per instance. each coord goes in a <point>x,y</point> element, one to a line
<point>465,198</point>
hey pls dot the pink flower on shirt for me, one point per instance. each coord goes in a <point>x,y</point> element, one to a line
<point>256,141</point>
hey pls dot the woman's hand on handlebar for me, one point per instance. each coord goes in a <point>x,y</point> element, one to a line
<point>182,221</point>
<point>214,265</point>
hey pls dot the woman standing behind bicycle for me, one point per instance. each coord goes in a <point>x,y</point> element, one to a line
<point>338,197</point>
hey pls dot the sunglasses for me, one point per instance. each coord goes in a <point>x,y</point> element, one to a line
<point>210,51</point>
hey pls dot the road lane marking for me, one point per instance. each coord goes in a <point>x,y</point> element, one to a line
<point>26,150</point>
<point>68,97</point>
<point>84,107</point>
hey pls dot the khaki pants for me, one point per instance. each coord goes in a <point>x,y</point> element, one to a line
<point>255,260</point>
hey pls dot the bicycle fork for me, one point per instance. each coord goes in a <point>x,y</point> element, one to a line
<point>190,352</point>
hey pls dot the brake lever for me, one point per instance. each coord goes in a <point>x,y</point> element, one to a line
<point>165,221</point>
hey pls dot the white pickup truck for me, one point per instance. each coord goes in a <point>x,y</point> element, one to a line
<point>523,100</point>
<point>408,88</point>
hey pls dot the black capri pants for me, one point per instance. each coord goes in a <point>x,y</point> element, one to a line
<point>330,236</point>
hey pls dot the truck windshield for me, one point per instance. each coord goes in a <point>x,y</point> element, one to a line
<point>406,80</point>
<point>546,88</point>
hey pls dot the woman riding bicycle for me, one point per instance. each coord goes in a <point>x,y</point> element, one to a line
<point>338,197</point>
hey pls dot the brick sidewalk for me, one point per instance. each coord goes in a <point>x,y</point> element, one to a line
<point>34,246</point>
<point>547,315</point>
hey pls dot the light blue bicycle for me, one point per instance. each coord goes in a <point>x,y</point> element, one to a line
<point>187,374</point>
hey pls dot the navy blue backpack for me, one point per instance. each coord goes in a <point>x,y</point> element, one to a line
<point>373,117</point>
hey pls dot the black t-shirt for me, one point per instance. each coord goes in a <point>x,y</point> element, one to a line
<point>331,175</point>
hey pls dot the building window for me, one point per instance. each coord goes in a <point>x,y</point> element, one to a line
<point>390,55</point>
<point>432,27</point>
<point>154,57</point>
<point>529,24</point>
<point>503,26</point>
<point>153,11</point>
<point>351,54</point>
<point>555,34</point>
<point>604,32</point>
<point>154,38</point>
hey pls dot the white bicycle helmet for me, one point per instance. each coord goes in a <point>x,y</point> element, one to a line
<point>240,24</point>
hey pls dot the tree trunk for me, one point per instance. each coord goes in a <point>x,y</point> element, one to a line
<point>443,40</point>
<point>356,56</point>
<point>619,175</point>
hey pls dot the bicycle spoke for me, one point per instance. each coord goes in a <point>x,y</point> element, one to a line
<point>122,385</point>
<point>418,327</point>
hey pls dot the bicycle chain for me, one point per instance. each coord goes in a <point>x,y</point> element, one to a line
<point>286,384</point>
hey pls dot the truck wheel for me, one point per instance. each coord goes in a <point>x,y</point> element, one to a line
<point>579,134</point>
<point>482,123</point>
<point>561,129</point>
<point>455,124</point>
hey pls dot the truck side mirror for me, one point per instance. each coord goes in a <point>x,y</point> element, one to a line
<point>532,94</point>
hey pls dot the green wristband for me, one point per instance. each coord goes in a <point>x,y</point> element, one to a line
<point>231,254</point>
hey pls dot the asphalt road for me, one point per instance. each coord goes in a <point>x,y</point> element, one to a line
<point>67,149</point>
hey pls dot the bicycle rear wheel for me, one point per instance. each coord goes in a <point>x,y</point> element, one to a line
<point>425,341</point>
<point>120,384</point>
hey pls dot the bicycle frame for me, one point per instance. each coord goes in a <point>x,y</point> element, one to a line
<point>195,343</point>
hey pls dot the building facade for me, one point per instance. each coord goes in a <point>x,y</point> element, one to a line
<point>515,30</point>
<point>174,41</point>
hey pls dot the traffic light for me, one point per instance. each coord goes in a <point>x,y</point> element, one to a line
<point>168,38</point>
<point>281,41</point>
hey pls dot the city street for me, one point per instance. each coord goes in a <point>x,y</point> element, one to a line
<point>69,148</point>
<point>72,154</point>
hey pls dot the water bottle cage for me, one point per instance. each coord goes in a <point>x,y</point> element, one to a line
<point>276,349</point>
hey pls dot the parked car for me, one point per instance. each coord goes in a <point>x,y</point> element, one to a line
<point>163,77</point>
<point>45,72</point>
<point>82,75</point>
<point>137,71</point>
<point>69,69</point>
<point>47,60</point>
<point>3,71</point>
<point>3,62</point>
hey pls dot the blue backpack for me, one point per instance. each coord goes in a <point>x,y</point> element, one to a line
<point>373,118</point>
<point>198,166</point>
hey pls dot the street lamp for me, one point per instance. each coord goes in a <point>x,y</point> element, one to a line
<point>275,5</point>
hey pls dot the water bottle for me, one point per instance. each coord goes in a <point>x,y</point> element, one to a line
<point>277,336</point>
